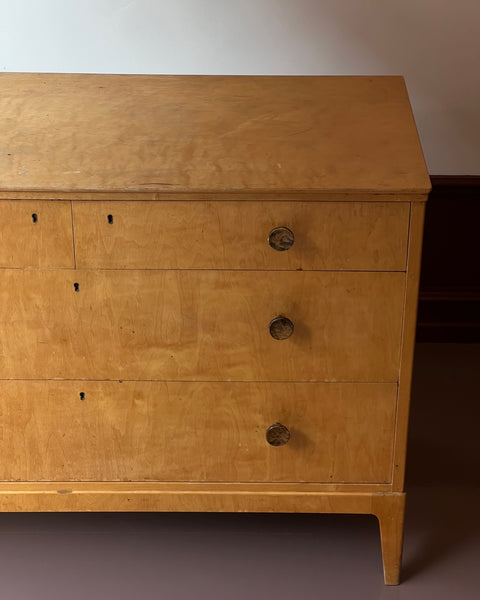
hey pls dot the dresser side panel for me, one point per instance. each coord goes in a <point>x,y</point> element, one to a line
<point>417,216</point>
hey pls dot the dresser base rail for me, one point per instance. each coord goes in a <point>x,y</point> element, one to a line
<point>388,507</point>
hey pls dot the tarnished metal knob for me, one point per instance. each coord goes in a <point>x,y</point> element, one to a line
<point>277,435</point>
<point>281,238</point>
<point>280,328</point>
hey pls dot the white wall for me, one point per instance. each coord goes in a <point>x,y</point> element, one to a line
<point>435,44</point>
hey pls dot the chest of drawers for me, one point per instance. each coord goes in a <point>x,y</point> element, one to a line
<point>209,291</point>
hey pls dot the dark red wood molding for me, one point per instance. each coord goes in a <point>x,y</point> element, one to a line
<point>439,181</point>
<point>449,302</point>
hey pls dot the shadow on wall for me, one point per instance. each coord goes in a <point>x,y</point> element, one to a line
<point>443,460</point>
<point>445,412</point>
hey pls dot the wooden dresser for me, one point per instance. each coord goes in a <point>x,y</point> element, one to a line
<point>208,294</point>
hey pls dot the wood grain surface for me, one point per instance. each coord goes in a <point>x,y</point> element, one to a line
<point>64,132</point>
<point>137,288</point>
<point>390,511</point>
<point>189,487</point>
<point>408,343</point>
<point>36,234</point>
<point>180,431</point>
<point>190,497</point>
<point>234,235</point>
<point>199,325</point>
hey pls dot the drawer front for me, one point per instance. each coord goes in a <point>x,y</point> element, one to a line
<point>137,431</point>
<point>235,235</point>
<point>200,325</point>
<point>36,234</point>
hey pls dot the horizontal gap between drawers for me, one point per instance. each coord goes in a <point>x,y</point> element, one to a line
<point>91,269</point>
<point>153,482</point>
<point>207,381</point>
<point>285,196</point>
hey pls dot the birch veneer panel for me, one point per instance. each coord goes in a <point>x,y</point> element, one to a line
<point>231,235</point>
<point>180,133</point>
<point>178,431</point>
<point>208,294</point>
<point>200,325</point>
<point>36,234</point>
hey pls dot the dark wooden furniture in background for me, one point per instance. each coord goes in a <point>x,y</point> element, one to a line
<point>449,304</point>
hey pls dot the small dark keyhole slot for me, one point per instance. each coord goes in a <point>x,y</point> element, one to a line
<point>82,396</point>
<point>76,287</point>
<point>110,219</point>
<point>35,217</point>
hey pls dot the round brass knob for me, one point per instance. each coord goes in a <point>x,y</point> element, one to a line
<point>280,328</point>
<point>277,435</point>
<point>281,238</point>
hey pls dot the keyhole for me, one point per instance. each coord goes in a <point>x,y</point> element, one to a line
<point>110,219</point>
<point>82,396</point>
<point>76,287</point>
<point>35,217</point>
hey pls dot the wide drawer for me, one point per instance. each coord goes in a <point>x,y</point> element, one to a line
<point>36,234</point>
<point>200,325</point>
<point>177,431</point>
<point>366,236</point>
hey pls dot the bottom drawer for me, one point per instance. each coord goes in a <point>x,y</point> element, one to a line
<point>184,431</point>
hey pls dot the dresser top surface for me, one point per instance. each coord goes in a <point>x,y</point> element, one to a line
<point>169,134</point>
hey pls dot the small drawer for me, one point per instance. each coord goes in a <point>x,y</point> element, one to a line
<point>201,325</point>
<point>366,236</point>
<point>177,431</point>
<point>36,234</point>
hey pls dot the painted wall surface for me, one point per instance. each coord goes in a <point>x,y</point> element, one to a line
<point>434,44</point>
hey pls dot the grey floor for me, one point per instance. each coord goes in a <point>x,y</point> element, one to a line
<point>190,556</point>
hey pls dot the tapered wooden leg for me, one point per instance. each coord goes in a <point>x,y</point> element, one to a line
<point>390,511</point>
